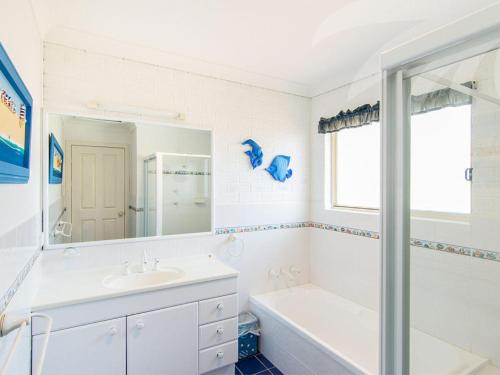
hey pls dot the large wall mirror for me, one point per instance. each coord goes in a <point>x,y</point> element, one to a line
<point>112,180</point>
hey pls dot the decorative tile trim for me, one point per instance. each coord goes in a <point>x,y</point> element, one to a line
<point>439,246</point>
<point>7,297</point>
<point>264,227</point>
<point>457,249</point>
<point>190,173</point>
<point>346,230</point>
<point>431,245</point>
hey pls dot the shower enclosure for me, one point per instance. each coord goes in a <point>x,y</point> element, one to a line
<point>177,194</point>
<point>441,200</point>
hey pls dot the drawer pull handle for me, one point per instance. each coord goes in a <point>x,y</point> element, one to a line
<point>113,331</point>
<point>220,306</point>
<point>139,325</point>
<point>220,355</point>
<point>220,331</point>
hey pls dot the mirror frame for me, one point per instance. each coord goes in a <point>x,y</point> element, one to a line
<point>155,121</point>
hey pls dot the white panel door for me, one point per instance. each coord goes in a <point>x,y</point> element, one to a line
<point>97,349</point>
<point>97,193</point>
<point>163,342</point>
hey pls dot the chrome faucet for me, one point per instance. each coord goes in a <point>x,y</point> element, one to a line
<point>144,262</point>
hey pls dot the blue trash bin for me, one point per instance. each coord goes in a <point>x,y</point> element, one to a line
<point>248,334</point>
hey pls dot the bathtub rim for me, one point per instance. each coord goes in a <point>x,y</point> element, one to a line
<point>309,337</point>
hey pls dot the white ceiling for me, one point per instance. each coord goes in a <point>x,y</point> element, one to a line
<point>312,43</point>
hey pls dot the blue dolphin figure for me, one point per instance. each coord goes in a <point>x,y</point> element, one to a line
<point>255,154</point>
<point>279,168</point>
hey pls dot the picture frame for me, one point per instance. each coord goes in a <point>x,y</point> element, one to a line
<point>56,161</point>
<point>16,105</point>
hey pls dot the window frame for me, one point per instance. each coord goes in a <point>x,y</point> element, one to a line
<point>333,180</point>
<point>417,214</point>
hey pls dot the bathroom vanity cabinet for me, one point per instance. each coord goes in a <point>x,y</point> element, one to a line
<point>184,330</point>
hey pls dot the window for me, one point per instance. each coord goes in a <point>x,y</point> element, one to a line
<point>356,167</point>
<point>440,154</point>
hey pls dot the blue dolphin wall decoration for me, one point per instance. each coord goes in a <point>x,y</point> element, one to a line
<point>255,154</point>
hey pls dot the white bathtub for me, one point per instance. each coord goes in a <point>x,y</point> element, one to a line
<point>307,330</point>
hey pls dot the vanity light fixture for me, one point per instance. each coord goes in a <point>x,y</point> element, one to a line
<point>136,111</point>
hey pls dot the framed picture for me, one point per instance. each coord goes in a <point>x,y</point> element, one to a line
<point>15,124</point>
<point>56,161</point>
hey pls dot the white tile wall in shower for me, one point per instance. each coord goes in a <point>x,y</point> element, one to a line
<point>454,297</point>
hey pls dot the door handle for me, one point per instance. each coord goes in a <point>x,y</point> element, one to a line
<point>121,213</point>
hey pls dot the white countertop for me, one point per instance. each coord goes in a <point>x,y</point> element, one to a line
<point>72,287</point>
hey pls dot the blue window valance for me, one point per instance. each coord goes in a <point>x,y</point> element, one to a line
<point>363,115</point>
<point>366,114</point>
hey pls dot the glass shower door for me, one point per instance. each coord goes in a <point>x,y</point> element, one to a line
<point>455,218</point>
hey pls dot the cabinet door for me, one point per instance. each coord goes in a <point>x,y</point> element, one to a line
<point>163,342</point>
<point>97,349</point>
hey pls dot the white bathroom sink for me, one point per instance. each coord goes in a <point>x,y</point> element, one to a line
<point>144,279</point>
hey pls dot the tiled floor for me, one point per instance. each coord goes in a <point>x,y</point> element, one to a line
<point>257,364</point>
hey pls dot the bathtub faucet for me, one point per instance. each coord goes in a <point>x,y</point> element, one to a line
<point>287,274</point>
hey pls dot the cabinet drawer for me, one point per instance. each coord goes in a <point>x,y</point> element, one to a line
<point>220,308</point>
<point>218,333</point>
<point>218,356</point>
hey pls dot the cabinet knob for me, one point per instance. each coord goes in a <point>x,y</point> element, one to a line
<point>139,325</point>
<point>220,306</point>
<point>220,355</point>
<point>220,330</point>
<point>113,331</point>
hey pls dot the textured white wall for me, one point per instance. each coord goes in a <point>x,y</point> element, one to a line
<point>235,112</point>
<point>279,122</point>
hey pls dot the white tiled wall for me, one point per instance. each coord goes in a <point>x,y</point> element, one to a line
<point>344,264</point>
<point>235,112</point>
<point>278,122</point>
<point>454,297</point>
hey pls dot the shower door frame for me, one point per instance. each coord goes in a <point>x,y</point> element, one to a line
<point>469,36</point>
<point>158,156</point>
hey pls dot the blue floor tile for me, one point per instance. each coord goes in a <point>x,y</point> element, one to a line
<point>264,360</point>
<point>250,366</point>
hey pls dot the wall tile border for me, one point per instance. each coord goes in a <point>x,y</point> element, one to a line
<point>9,294</point>
<point>425,244</point>
<point>263,227</point>
<point>346,230</point>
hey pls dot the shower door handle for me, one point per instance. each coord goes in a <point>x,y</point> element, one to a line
<point>468,174</point>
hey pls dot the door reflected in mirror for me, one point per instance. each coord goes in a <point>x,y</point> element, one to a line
<point>126,180</point>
